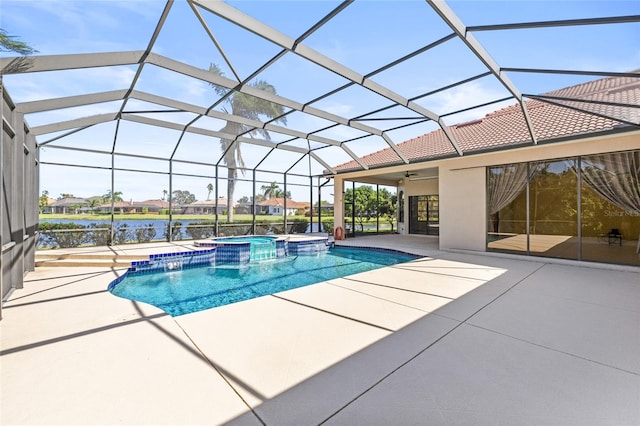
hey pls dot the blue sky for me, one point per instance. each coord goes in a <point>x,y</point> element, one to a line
<point>364,36</point>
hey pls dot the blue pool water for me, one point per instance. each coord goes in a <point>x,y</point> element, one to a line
<point>191,290</point>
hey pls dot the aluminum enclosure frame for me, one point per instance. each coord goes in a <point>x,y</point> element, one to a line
<point>292,140</point>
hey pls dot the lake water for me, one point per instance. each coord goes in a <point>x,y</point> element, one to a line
<point>160,227</point>
<point>158,224</point>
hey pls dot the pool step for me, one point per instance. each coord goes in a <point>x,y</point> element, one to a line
<point>87,260</point>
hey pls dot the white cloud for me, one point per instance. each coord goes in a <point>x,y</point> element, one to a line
<point>55,84</point>
<point>341,133</point>
<point>341,109</point>
<point>170,84</point>
<point>462,97</point>
<point>77,15</point>
<point>118,76</point>
<point>196,88</point>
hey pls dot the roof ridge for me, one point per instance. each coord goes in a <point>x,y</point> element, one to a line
<point>600,85</point>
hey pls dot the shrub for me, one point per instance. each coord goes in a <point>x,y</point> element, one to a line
<point>299,226</point>
<point>144,234</point>
<point>277,228</point>
<point>122,234</point>
<point>99,237</point>
<point>327,226</point>
<point>175,232</point>
<point>63,235</point>
<point>262,228</point>
<point>233,230</point>
<point>201,229</point>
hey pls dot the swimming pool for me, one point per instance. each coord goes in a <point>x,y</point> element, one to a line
<point>191,290</point>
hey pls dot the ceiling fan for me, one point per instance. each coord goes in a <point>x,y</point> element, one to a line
<point>414,176</point>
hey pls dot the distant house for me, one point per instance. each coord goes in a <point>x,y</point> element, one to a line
<point>66,206</point>
<point>118,207</point>
<point>275,207</point>
<point>151,206</point>
<point>243,208</point>
<point>206,207</point>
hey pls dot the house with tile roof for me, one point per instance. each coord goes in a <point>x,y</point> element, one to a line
<point>206,207</point>
<point>148,206</point>
<point>276,207</point>
<point>69,205</point>
<point>552,177</point>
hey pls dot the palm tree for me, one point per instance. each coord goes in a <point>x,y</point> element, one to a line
<point>246,106</point>
<point>117,196</point>
<point>164,194</point>
<point>210,189</point>
<point>270,190</point>
<point>43,201</point>
<point>22,63</point>
<point>281,194</point>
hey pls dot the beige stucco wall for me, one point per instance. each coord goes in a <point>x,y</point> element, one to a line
<point>462,208</point>
<point>421,187</point>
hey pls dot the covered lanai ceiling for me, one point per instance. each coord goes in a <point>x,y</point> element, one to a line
<point>352,78</point>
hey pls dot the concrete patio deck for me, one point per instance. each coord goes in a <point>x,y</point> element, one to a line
<point>451,338</point>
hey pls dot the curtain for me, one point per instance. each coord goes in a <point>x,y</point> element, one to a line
<point>507,182</point>
<point>615,177</point>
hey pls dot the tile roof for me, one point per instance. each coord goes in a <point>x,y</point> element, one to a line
<point>222,202</point>
<point>69,201</point>
<point>280,202</point>
<point>136,204</point>
<point>506,127</point>
<point>117,204</point>
<point>155,203</point>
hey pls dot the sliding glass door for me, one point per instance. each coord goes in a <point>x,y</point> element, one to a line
<point>507,208</point>
<point>585,208</point>
<point>553,210</point>
<point>424,215</point>
<point>610,207</point>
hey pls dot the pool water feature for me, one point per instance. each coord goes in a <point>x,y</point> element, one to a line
<point>263,251</point>
<point>254,248</point>
<point>261,248</point>
<point>185,291</point>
